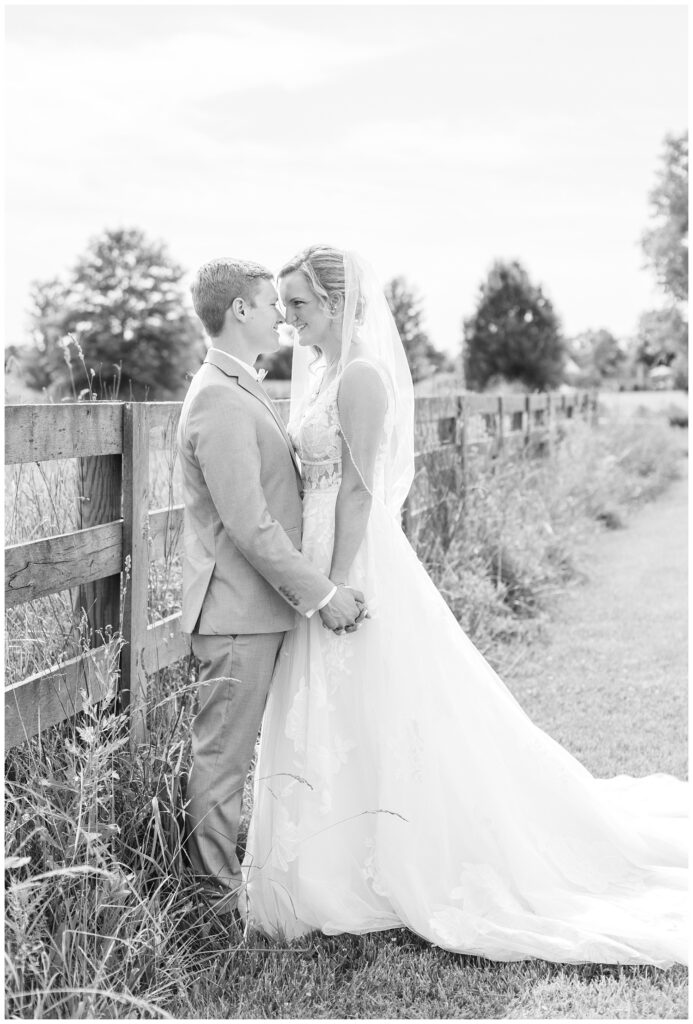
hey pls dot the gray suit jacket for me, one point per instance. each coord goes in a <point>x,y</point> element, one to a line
<point>242,567</point>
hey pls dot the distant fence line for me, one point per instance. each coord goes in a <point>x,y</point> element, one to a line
<point>106,562</point>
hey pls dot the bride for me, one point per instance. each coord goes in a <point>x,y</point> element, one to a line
<point>398,781</point>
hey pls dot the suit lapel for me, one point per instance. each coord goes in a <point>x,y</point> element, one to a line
<point>231,368</point>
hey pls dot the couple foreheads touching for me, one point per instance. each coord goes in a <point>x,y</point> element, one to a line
<point>397,781</point>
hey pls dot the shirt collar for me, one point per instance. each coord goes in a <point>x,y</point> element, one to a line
<point>257,375</point>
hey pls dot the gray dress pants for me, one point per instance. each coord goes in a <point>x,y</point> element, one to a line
<point>235,675</point>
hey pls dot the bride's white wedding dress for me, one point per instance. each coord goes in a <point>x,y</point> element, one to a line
<point>400,783</point>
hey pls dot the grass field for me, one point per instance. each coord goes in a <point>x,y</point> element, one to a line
<point>100,924</point>
<point>643,403</point>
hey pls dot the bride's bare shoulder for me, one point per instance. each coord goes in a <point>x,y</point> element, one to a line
<point>363,381</point>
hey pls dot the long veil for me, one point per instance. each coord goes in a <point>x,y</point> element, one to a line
<point>369,333</point>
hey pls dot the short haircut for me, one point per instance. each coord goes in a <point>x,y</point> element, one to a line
<point>218,283</point>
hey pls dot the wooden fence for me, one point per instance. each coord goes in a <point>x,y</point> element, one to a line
<point>106,561</point>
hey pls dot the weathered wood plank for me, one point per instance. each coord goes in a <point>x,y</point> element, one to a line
<point>34,433</point>
<point>44,567</point>
<point>165,532</point>
<point>165,644</point>
<point>99,485</point>
<point>50,697</point>
<point>463,438</point>
<point>481,403</point>
<point>163,423</point>
<point>593,415</point>
<point>161,413</point>
<point>569,405</point>
<point>478,430</point>
<point>435,407</point>
<point>513,403</point>
<point>136,556</point>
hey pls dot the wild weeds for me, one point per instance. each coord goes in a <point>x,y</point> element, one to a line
<point>517,533</point>
<point>96,387</point>
<point>100,919</point>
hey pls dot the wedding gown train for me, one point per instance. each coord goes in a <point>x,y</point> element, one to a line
<point>400,783</point>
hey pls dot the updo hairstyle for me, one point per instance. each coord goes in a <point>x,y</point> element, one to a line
<point>323,266</point>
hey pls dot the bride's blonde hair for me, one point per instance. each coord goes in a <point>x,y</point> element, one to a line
<point>323,266</point>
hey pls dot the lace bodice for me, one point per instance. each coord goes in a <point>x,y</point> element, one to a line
<point>318,442</point>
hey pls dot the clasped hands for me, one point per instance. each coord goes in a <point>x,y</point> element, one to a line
<point>345,612</point>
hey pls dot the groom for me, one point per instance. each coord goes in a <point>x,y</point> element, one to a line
<point>245,582</point>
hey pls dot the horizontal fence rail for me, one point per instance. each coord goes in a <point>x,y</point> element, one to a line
<point>107,560</point>
<point>44,567</point>
<point>35,433</point>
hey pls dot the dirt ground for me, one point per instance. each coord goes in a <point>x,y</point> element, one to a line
<point>608,679</point>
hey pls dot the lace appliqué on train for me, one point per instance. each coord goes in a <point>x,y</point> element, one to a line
<point>405,750</point>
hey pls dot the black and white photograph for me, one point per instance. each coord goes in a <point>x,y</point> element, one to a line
<point>346,511</point>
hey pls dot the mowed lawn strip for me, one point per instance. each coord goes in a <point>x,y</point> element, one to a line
<point>609,679</point>
<point>396,975</point>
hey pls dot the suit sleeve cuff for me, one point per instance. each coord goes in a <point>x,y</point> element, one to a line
<point>325,600</point>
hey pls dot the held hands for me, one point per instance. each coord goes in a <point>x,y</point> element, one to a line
<point>345,612</point>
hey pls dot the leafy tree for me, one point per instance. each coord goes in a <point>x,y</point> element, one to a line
<point>43,361</point>
<point>666,243</point>
<point>406,308</point>
<point>598,354</point>
<point>662,335</point>
<point>514,333</point>
<point>662,340</point>
<point>124,309</point>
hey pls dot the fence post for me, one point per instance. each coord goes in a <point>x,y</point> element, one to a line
<point>136,561</point>
<point>593,406</point>
<point>406,517</point>
<point>463,434</point>
<point>500,432</point>
<point>99,479</point>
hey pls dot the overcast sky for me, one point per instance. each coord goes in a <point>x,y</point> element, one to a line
<point>432,139</point>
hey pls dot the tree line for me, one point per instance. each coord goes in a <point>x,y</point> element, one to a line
<point>120,322</point>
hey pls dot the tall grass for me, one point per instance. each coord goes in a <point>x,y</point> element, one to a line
<point>518,534</point>
<point>101,919</point>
